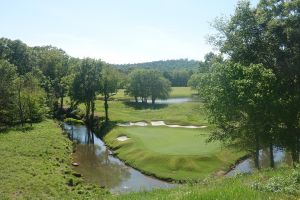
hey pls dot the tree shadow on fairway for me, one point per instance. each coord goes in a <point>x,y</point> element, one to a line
<point>143,106</point>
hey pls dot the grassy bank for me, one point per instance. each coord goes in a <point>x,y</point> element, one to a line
<point>36,164</point>
<point>236,188</point>
<point>176,153</point>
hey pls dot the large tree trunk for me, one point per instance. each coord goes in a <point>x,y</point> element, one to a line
<point>256,159</point>
<point>106,107</point>
<point>21,112</point>
<point>272,163</point>
<point>136,99</point>
<point>61,103</point>
<point>153,101</point>
<point>92,113</point>
<point>87,112</point>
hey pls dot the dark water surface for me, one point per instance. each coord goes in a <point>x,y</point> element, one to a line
<point>248,165</point>
<point>98,166</point>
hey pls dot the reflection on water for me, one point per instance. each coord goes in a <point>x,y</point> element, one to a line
<point>98,166</point>
<point>248,165</point>
<point>172,100</point>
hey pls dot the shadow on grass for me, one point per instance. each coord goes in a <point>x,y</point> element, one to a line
<point>142,106</point>
<point>104,127</point>
<point>6,129</point>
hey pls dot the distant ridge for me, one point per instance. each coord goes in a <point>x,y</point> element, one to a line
<point>163,65</point>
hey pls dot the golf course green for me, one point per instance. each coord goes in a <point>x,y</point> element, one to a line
<point>171,153</point>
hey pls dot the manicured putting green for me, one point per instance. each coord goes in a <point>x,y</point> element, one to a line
<point>176,153</point>
<point>173,141</point>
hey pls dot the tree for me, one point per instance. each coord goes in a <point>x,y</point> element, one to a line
<point>148,83</point>
<point>86,85</point>
<point>18,54</point>
<point>269,34</point>
<point>7,92</point>
<point>159,86</point>
<point>109,86</point>
<point>54,63</point>
<point>30,99</point>
<point>240,100</point>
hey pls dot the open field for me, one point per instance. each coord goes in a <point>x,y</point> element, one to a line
<point>176,153</point>
<point>176,92</point>
<point>36,164</point>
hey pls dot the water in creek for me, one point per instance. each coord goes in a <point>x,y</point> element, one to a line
<point>98,166</point>
<point>248,165</point>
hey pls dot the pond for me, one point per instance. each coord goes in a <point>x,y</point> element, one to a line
<point>172,100</point>
<point>98,166</point>
<point>248,165</point>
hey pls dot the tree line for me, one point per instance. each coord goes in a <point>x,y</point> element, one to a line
<point>253,96</point>
<point>35,81</point>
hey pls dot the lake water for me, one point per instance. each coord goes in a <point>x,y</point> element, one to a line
<point>98,166</point>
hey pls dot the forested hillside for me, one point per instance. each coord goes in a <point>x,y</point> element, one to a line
<point>164,65</point>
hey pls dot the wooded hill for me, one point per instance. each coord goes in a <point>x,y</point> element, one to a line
<point>163,65</point>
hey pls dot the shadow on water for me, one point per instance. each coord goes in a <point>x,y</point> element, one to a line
<point>142,106</point>
<point>248,165</point>
<point>97,165</point>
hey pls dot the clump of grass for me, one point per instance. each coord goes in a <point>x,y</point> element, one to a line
<point>73,121</point>
<point>280,183</point>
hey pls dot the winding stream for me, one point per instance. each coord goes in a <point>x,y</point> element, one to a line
<point>98,166</point>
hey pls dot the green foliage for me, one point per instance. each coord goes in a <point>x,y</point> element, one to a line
<point>73,121</point>
<point>168,65</point>
<point>109,85</point>
<point>148,83</point>
<point>238,100</point>
<point>287,183</point>
<point>86,84</point>
<point>7,92</point>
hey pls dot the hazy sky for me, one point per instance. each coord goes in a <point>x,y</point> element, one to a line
<point>117,31</point>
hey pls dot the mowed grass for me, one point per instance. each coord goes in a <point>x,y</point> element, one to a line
<point>176,92</point>
<point>190,113</point>
<point>36,164</point>
<point>176,153</point>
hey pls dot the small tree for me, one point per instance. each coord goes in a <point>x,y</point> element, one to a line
<point>86,84</point>
<point>109,85</point>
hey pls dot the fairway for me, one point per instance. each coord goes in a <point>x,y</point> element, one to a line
<point>176,153</point>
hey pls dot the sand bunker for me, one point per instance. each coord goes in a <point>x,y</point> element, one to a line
<point>122,138</point>
<point>133,124</point>
<point>158,123</point>
<point>179,126</point>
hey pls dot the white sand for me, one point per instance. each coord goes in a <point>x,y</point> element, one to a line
<point>138,124</point>
<point>133,124</point>
<point>158,123</point>
<point>122,138</point>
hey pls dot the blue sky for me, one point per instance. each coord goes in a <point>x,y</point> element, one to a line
<point>116,31</point>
